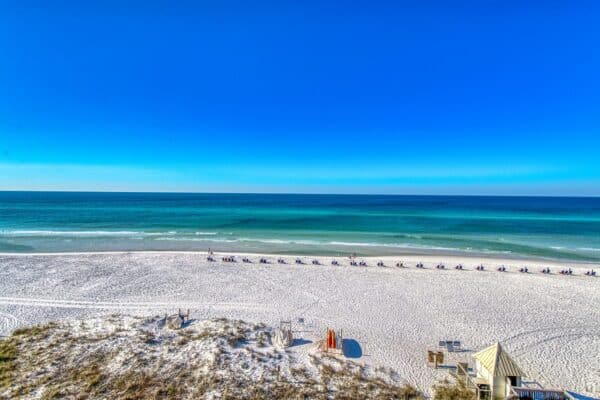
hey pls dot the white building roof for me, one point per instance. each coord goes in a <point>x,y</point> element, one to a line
<point>497,362</point>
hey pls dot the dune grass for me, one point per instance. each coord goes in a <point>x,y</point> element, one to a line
<point>453,391</point>
<point>122,360</point>
<point>8,355</point>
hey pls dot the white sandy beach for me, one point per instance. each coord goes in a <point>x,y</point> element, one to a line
<point>550,324</point>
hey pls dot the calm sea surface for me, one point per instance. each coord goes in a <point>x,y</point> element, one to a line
<point>561,228</point>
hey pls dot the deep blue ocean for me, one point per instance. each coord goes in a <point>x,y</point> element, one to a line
<point>558,228</point>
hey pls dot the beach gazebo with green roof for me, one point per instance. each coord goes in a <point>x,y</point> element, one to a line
<point>494,366</point>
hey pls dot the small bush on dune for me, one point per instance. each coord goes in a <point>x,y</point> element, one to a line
<point>8,355</point>
<point>38,332</point>
<point>453,391</point>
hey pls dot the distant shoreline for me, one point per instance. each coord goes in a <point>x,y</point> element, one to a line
<point>409,257</point>
<point>367,251</point>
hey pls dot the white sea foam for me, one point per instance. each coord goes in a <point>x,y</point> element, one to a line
<point>393,245</point>
<point>238,240</point>
<point>588,249</point>
<point>42,233</point>
<point>575,249</point>
<point>227,237</point>
<point>195,239</point>
<point>319,243</point>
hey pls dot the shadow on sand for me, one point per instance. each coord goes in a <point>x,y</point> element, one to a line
<point>352,349</point>
<point>188,323</point>
<point>300,342</point>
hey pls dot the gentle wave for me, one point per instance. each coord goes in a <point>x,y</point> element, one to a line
<point>228,237</point>
<point>394,245</point>
<point>81,233</point>
<point>48,232</point>
<point>588,249</point>
<point>239,240</point>
<point>574,249</point>
<point>329,244</point>
<point>195,239</point>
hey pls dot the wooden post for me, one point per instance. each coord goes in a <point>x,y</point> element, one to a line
<point>439,358</point>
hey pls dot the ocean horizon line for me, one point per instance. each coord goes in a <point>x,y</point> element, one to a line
<point>308,194</point>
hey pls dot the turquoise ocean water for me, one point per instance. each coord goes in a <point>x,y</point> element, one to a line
<point>558,228</point>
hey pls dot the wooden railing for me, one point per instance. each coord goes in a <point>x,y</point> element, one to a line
<point>537,394</point>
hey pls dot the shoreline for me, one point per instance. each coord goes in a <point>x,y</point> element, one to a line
<point>408,257</point>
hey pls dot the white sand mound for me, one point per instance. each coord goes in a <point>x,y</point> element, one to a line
<point>136,358</point>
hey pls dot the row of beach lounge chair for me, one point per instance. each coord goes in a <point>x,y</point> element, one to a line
<point>451,345</point>
<point>419,265</point>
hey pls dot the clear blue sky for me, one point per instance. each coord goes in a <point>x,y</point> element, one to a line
<point>478,97</point>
